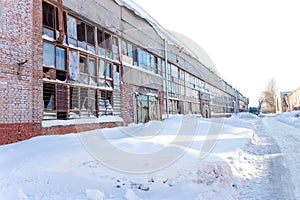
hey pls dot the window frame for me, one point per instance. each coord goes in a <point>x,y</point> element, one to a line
<point>53,72</point>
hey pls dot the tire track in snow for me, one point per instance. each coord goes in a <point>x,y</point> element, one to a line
<point>288,139</point>
<point>271,180</point>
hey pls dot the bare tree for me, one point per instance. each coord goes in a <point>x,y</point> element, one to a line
<point>270,96</point>
<point>261,100</point>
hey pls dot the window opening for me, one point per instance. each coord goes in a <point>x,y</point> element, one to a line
<point>49,101</point>
<point>54,62</point>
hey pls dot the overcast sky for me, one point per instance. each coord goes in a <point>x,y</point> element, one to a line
<point>250,42</point>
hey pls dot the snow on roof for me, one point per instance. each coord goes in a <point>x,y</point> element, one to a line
<point>190,47</point>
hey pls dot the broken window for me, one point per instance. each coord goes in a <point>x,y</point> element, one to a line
<point>50,21</point>
<point>107,45</point>
<point>48,15</point>
<point>116,76</point>
<point>72,30</point>
<point>74,98</point>
<point>49,101</point>
<point>108,75</point>
<point>101,73</point>
<point>105,74</point>
<point>124,48</point>
<point>83,98</point>
<point>55,99</point>
<point>115,48</point>
<point>135,55</point>
<point>62,101</point>
<point>80,31</point>
<point>82,102</point>
<point>159,65</point>
<point>101,68</point>
<point>93,70</point>
<point>74,65</point>
<point>81,34</point>
<point>49,96</point>
<point>48,55</point>
<point>130,50</point>
<point>108,70</point>
<point>54,62</point>
<point>101,46</point>
<point>92,102</point>
<point>144,59</point>
<point>60,58</point>
<point>153,63</point>
<point>90,38</point>
<point>87,70</point>
<point>83,68</point>
<point>105,103</point>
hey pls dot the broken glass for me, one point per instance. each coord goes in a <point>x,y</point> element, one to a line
<point>48,54</point>
<point>60,58</point>
<point>72,27</point>
<point>74,65</point>
<point>80,31</point>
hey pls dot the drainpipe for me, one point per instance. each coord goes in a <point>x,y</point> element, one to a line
<point>60,22</point>
<point>166,78</point>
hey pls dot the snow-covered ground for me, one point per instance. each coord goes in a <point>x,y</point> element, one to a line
<point>291,118</point>
<point>183,157</point>
<point>270,169</point>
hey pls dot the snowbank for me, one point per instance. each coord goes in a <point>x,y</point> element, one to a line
<point>245,115</point>
<point>292,118</point>
<point>60,167</point>
<point>91,120</point>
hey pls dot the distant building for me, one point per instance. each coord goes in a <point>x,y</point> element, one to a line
<point>281,102</point>
<point>293,100</point>
<point>93,58</point>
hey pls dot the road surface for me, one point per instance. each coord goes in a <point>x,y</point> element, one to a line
<point>275,162</point>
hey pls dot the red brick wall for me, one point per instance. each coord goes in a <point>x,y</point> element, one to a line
<point>127,110</point>
<point>10,133</point>
<point>21,100</point>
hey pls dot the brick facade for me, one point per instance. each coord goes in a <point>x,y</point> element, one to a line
<point>127,110</point>
<point>20,85</point>
<point>109,48</point>
<point>293,100</point>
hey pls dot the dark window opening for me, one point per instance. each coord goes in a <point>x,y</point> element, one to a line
<point>50,21</point>
<point>80,31</point>
<point>74,98</point>
<point>90,35</point>
<point>48,15</point>
<point>135,56</point>
<point>61,75</point>
<point>49,96</point>
<point>107,41</point>
<point>62,102</point>
<point>100,38</point>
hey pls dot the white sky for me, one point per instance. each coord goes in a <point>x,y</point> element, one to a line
<point>250,42</point>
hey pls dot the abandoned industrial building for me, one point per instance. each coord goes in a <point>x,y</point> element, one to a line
<point>66,60</point>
